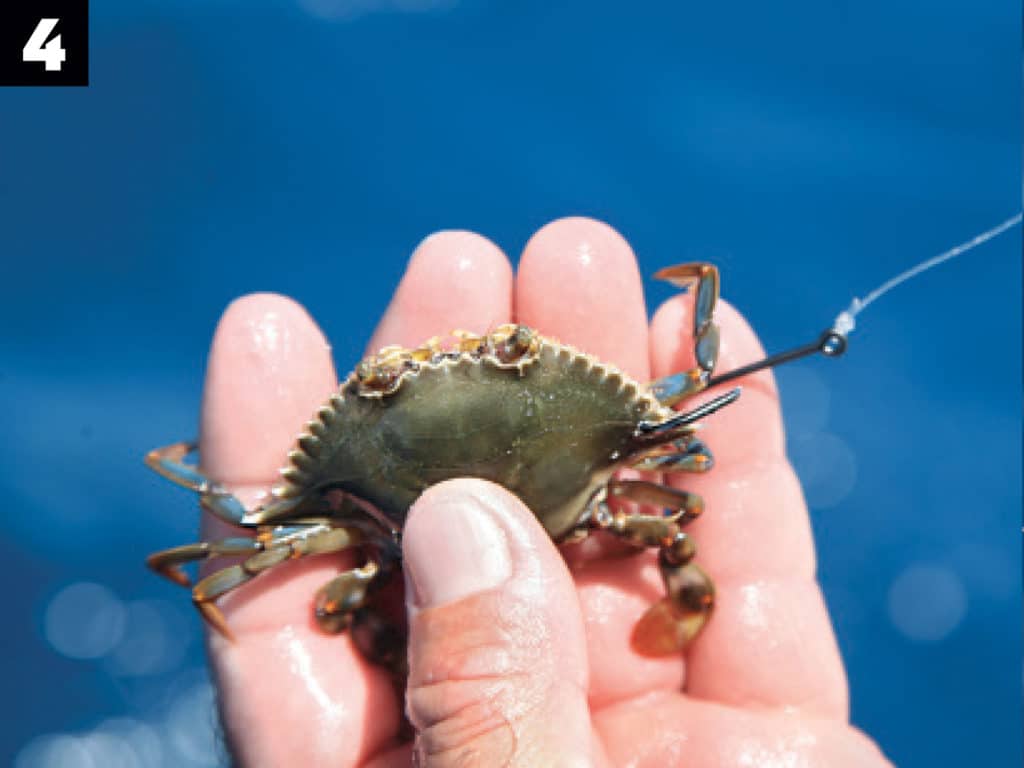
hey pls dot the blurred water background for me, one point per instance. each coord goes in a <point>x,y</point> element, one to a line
<point>305,146</point>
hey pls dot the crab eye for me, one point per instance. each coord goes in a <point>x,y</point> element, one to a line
<point>380,376</point>
<point>516,345</point>
<point>364,371</point>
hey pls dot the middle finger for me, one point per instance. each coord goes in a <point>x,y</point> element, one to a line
<point>578,282</point>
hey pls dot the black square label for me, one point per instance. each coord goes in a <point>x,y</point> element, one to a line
<point>44,42</point>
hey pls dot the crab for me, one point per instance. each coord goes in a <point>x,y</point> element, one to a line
<point>548,422</point>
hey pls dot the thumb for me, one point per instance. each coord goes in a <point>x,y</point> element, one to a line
<point>497,657</point>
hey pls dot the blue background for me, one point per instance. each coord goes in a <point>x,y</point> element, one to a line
<point>810,149</point>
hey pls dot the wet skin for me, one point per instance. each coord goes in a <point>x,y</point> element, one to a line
<point>764,683</point>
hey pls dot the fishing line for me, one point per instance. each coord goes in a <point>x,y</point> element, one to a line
<point>845,323</point>
<point>832,342</point>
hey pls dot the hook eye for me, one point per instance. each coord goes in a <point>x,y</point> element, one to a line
<point>832,344</point>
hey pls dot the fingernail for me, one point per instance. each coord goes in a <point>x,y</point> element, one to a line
<point>453,548</point>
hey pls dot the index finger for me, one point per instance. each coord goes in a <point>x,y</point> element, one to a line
<point>290,694</point>
<point>770,641</point>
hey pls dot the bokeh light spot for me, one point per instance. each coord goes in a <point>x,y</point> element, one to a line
<point>927,602</point>
<point>55,751</point>
<point>826,466</point>
<point>109,749</point>
<point>154,641</point>
<point>139,739</point>
<point>84,621</point>
<point>191,725</point>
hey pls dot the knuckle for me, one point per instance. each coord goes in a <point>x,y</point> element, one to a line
<point>466,704</point>
<point>485,674</point>
<point>476,735</point>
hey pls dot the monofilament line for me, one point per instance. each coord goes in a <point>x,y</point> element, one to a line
<point>832,341</point>
<point>845,323</point>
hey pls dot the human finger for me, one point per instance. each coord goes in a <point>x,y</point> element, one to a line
<point>289,693</point>
<point>455,280</point>
<point>578,282</point>
<point>770,641</point>
<point>667,729</point>
<point>497,656</point>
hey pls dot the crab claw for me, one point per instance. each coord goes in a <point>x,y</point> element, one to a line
<point>670,624</point>
<point>677,387</point>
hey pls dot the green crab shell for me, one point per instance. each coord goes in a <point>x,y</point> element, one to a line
<point>551,428</point>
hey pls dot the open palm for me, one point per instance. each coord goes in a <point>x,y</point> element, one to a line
<point>558,683</point>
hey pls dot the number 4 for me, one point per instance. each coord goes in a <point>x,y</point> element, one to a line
<point>51,54</point>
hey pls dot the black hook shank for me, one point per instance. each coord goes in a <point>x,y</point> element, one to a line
<point>830,343</point>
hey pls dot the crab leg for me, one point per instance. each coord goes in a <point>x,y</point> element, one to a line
<point>166,562</point>
<point>214,498</point>
<point>169,462</point>
<point>279,546</point>
<point>223,581</point>
<point>685,506</point>
<point>671,623</point>
<point>339,598</point>
<point>671,389</point>
<point>674,621</point>
<point>686,455</point>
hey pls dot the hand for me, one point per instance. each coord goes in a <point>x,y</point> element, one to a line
<point>515,658</point>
